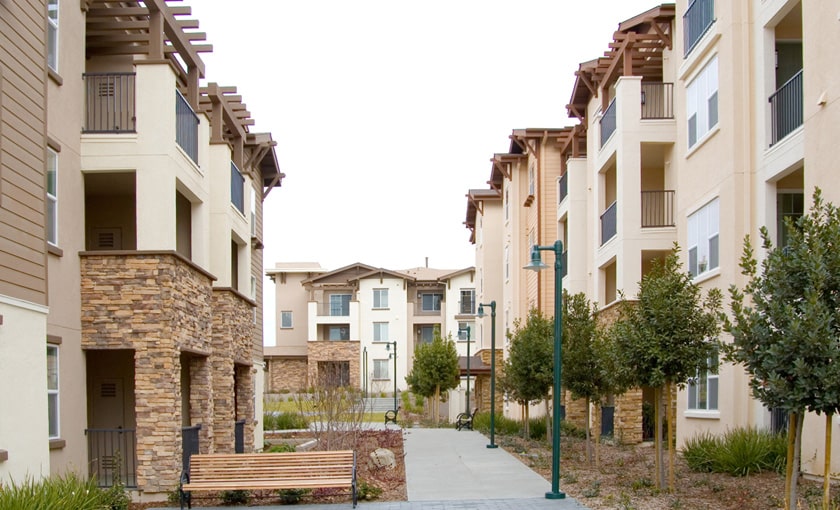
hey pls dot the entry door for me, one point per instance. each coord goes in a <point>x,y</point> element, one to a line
<point>108,404</point>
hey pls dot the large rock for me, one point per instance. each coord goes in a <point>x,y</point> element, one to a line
<point>383,458</point>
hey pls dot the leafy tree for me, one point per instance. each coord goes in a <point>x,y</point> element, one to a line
<point>788,336</point>
<point>665,338</point>
<point>528,372</point>
<point>435,369</point>
<point>588,361</point>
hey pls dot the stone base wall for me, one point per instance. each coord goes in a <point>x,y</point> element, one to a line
<point>628,417</point>
<point>575,410</point>
<point>286,374</point>
<point>334,351</point>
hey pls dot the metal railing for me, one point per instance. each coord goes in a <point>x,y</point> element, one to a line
<point>657,100</point>
<point>109,103</point>
<point>608,123</point>
<point>190,444</point>
<point>186,127</point>
<point>239,437</point>
<point>112,456</point>
<point>608,223</point>
<point>658,208</point>
<point>696,21</point>
<point>564,187</point>
<point>237,188</point>
<point>786,108</point>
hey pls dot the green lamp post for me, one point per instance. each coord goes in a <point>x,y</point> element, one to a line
<point>536,264</point>
<point>467,331</point>
<point>394,354</point>
<point>492,306</point>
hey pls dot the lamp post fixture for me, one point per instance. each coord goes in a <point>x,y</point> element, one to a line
<point>536,264</point>
<point>492,306</point>
<point>365,357</point>
<point>394,354</point>
<point>467,330</point>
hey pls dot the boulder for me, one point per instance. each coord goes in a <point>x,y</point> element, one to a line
<point>383,458</point>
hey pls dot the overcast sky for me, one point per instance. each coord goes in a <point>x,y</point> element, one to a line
<point>387,112</point>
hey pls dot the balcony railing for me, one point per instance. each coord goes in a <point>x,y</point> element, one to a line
<point>658,209</point>
<point>696,21</point>
<point>239,436</point>
<point>109,103</point>
<point>112,456</point>
<point>564,187</point>
<point>608,223</point>
<point>334,309</point>
<point>186,127</point>
<point>786,108</point>
<point>657,100</point>
<point>608,123</point>
<point>237,188</point>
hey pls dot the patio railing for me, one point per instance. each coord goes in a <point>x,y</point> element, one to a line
<point>112,456</point>
<point>786,108</point>
<point>109,103</point>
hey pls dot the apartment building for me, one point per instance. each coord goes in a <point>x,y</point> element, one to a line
<point>343,327</point>
<point>702,122</point>
<point>153,236</point>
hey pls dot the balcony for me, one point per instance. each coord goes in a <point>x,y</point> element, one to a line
<point>334,309</point>
<point>657,100</point>
<point>186,127</point>
<point>109,103</point>
<point>696,21</point>
<point>112,455</point>
<point>657,209</point>
<point>608,223</point>
<point>608,123</point>
<point>786,108</point>
<point>564,187</point>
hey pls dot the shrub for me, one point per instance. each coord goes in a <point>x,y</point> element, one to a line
<point>367,491</point>
<point>280,448</point>
<point>700,451</point>
<point>740,452</point>
<point>237,497</point>
<point>537,428</point>
<point>502,425</point>
<point>66,492</point>
<point>284,421</point>
<point>292,496</point>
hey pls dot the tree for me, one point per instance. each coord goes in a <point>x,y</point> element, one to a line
<point>788,335</point>
<point>665,339</point>
<point>528,372</point>
<point>588,363</point>
<point>435,369</point>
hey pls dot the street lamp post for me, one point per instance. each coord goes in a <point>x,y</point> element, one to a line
<point>467,329</point>
<point>394,354</point>
<point>365,356</point>
<point>536,264</point>
<point>492,306</point>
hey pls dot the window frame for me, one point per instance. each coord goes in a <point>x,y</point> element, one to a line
<point>470,293</point>
<point>290,315</point>
<point>380,365</point>
<point>53,393</point>
<point>52,196</point>
<point>703,217</point>
<point>699,93</point>
<point>710,382</point>
<point>378,295</point>
<point>53,25</point>
<point>438,302</point>
<point>378,328</point>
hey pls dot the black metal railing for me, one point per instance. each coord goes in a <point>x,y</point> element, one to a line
<point>239,437</point>
<point>109,103</point>
<point>608,223</point>
<point>786,108</point>
<point>608,123</point>
<point>190,444</point>
<point>657,100</point>
<point>658,208</point>
<point>112,456</point>
<point>564,187</point>
<point>237,188</point>
<point>696,21</point>
<point>186,127</point>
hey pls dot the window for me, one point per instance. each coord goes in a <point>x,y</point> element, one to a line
<point>52,34</point>
<point>380,298</point>
<point>52,391</point>
<point>703,231</point>
<point>339,333</point>
<point>703,389</point>
<point>340,305</point>
<point>507,262</point>
<point>468,301</point>
<point>380,369</point>
<point>532,177</point>
<point>466,331</point>
<point>253,213</point>
<point>237,188</point>
<point>788,205</point>
<point>431,302</point>
<point>286,319</point>
<point>427,334</point>
<point>507,203</point>
<point>702,102</point>
<point>380,331</point>
<point>52,197</point>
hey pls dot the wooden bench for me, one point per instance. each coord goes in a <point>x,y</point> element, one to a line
<point>465,421</point>
<point>391,416</point>
<point>268,471</point>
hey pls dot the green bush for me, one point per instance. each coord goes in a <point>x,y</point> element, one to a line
<point>699,452</point>
<point>284,421</point>
<point>237,497</point>
<point>740,452</point>
<point>280,448</point>
<point>537,428</point>
<point>502,425</point>
<point>367,491</point>
<point>66,492</point>
<point>292,496</point>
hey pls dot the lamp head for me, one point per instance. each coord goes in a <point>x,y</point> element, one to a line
<point>481,313</point>
<point>536,263</point>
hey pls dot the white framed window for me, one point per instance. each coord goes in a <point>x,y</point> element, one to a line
<point>703,238</point>
<point>702,102</point>
<point>479,232</point>
<point>703,389</point>
<point>380,369</point>
<point>286,319</point>
<point>465,330</point>
<point>532,177</point>
<point>431,302</point>
<point>507,263</point>
<point>380,298</point>
<point>507,203</point>
<point>52,34</point>
<point>380,331</point>
<point>340,305</point>
<point>52,197</point>
<point>339,333</point>
<point>467,302</point>
<point>52,392</point>
<point>426,334</point>
<point>253,213</point>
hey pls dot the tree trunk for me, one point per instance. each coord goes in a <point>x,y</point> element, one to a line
<point>588,426</point>
<point>797,449</point>
<point>791,440</point>
<point>671,426</point>
<point>527,425</point>
<point>437,404</point>
<point>827,467</point>
<point>657,438</point>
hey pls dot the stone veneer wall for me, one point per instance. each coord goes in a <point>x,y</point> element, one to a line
<point>286,374</point>
<point>482,383</point>
<point>155,304</point>
<point>334,350</point>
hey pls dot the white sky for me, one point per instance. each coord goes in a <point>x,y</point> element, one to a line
<point>386,112</point>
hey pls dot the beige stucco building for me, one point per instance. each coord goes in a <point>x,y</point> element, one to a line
<point>146,193</point>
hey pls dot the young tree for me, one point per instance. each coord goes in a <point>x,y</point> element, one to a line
<point>788,335</point>
<point>665,339</point>
<point>435,369</point>
<point>588,363</point>
<point>528,372</point>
